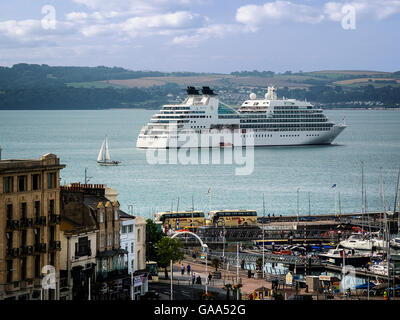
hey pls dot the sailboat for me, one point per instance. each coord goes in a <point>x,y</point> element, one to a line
<point>104,158</point>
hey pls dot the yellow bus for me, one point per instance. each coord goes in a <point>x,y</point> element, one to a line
<point>234,218</point>
<point>178,220</point>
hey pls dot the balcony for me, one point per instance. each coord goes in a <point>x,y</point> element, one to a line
<point>25,223</point>
<point>55,246</point>
<point>40,221</point>
<point>12,253</point>
<point>13,286</point>
<point>39,248</point>
<point>54,218</point>
<point>83,253</point>
<point>12,225</point>
<point>26,250</point>
<point>27,283</point>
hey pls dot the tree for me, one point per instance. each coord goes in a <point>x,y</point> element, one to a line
<point>215,262</point>
<point>153,234</point>
<point>228,288</point>
<point>168,249</point>
<point>259,264</point>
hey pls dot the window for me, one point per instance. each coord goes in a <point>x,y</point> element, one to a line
<point>130,228</point>
<point>132,247</point>
<point>23,269</point>
<point>82,247</point>
<point>23,210</point>
<point>23,238</point>
<point>138,235</point>
<point>22,185</point>
<point>51,180</point>
<point>116,215</point>
<point>36,209</point>
<point>8,184</point>
<point>9,270</point>
<point>102,240</point>
<point>35,181</point>
<point>116,238</point>
<point>109,239</point>
<point>101,216</point>
<point>9,211</point>
<point>124,229</point>
<point>37,266</point>
<point>9,237</point>
<point>51,206</point>
<point>37,236</point>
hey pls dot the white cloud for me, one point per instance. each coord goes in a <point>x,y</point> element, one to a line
<point>147,25</point>
<point>255,15</point>
<point>30,31</point>
<point>76,16</point>
<point>364,8</point>
<point>205,33</point>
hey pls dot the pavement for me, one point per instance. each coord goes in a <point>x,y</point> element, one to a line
<point>227,276</point>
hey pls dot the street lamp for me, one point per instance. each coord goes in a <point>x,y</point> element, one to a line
<point>298,204</point>
<point>205,248</point>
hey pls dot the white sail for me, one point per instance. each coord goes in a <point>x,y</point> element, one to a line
<point>107,158</point>
<point>100,157</point>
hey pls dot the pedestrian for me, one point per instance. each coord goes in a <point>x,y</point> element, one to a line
<point>198,280</point>
<point>209,278</point>
<point>193,277</point>
<point>182,269</point>
<point>188,269</point>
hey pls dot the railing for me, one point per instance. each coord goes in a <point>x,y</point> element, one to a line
<point>40,221</point>
<point>26,250</point>
<point>25,223</point>
<point>54,218</point>
<point>12,225</point>
<point>55,245</point>
<point>12,253</point>
<point>39,248</point>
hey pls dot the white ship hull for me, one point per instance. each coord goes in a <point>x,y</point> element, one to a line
<point>256,139</point>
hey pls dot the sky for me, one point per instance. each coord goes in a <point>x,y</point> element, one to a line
<point>218,36</point>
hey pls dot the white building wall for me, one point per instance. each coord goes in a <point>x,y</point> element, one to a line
<point>127,241</point>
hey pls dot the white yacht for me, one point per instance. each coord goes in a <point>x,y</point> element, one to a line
<point>202,120</point>
<point>357,242</point>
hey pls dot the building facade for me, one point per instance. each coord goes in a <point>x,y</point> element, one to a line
<point>29,228</point>
<point>140,243</point>
<point>128,239</point>
<point>82,202</point>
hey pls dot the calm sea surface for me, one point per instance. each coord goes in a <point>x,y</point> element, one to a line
<point>76,137</point>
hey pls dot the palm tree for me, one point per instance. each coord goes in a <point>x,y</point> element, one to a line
<point>259,264</point>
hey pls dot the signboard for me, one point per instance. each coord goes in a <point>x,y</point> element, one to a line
<point>137,281</point>
<point>202,256</point>
<point>289,279</point>
<point>325,278</point>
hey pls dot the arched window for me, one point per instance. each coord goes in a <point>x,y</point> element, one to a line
<point>138,235</point>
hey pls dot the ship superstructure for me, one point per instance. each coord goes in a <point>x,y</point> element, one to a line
<point>268,122</point>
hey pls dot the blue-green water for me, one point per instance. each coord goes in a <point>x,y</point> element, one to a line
<point>76,137</point>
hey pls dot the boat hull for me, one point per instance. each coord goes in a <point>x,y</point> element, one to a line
<point>212,139</point>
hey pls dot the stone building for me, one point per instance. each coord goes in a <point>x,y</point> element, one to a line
<point>29,228</point>
<point>81,203</point>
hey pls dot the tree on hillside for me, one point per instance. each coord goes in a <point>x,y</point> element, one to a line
<point>168,249</point>
<point>153,235</point>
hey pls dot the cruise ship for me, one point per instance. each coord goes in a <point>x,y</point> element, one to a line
<point>202,120</point>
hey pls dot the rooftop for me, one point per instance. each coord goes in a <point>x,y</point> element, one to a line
<point>48,160</point>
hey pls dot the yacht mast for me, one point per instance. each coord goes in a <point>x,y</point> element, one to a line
<point>386,231</point>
